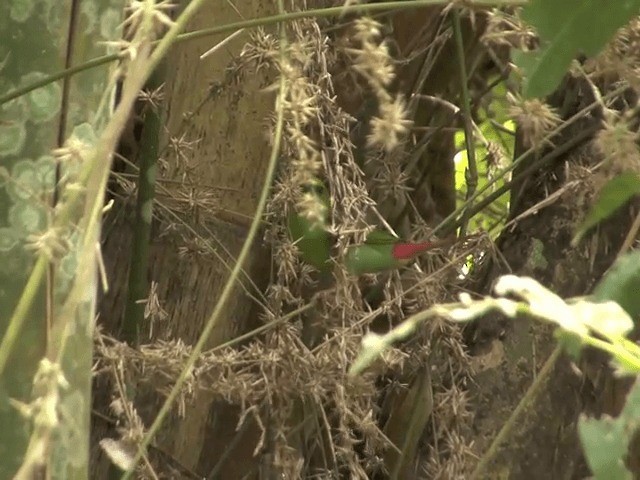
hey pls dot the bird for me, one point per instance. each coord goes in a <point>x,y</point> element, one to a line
<point>312,238</point>
<point>381,251</point>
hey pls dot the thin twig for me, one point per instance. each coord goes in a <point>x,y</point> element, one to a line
<point>533,394</point>
<point>221,44</point>
<point>631,236</point>
<point>545,202</point>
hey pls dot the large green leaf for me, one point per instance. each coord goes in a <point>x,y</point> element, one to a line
<point>621,284</point>
<point>605,447</point>
<point>606,441</point>
<point>613,195</point>
<point>567,28</point>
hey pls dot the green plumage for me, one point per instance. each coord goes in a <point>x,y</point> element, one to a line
<point>315,243</point>
<point>312,238</point>
<point>375,255</point>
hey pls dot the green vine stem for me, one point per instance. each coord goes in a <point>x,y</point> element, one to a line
<point>138,286</point>
<point>471,174</point>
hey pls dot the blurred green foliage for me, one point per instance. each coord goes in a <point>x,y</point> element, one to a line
<point>37,40</point>
<point>567,29</point>
<point>494,150</point>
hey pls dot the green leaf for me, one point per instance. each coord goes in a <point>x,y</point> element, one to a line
<point>566,29</point>
<point>605,447</point>
<point>621,284</point>
<point>613,195</point>
<point>631,412</point>
<point>606,441</point>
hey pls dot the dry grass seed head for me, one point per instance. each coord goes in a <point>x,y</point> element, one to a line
<point>54,243</point>
<point>536,120</point>
<point>496,158</point>
<point>370,56</point>
<point>313,209</point>
<point>620,59</point>
<point>260,51</point>
<point>388,127</point>
<point>506,29</point>
<point>619,147</point>
<point>286,259</point>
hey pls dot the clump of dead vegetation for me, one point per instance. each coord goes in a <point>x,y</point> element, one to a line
<point>291,380</point>
<point>314,418</point>
<point>616,69</point>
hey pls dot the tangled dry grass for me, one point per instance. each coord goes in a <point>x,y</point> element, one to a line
<point>316,420</point>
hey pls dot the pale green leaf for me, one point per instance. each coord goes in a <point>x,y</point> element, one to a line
<point>566,29</point>
<point>606,441</point>
<point>621,284</point>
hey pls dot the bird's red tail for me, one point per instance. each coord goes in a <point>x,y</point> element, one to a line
<point>407,251</point>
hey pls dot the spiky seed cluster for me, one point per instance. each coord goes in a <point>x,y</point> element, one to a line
<point>372,60</point>
<point>181,149</point>
<point>390,125</point>
<point>145,22</point>
<point>536,120</point>
<point>620,59</point>
<point>619,147</point>
<point>300,109</point>
<point>391,180</point>
<point>495,155</point>
<point>53,243</point>
<point>506,29</point>
<point>153,98</point>
<point>157,13</point>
